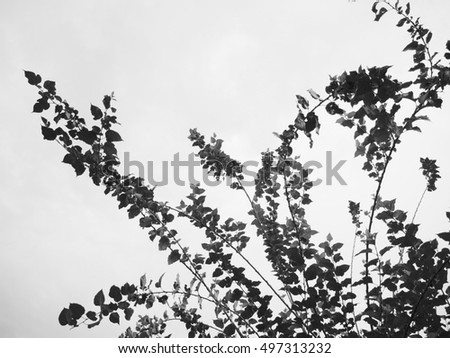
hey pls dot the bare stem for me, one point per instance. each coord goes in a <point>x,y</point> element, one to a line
<point>418,205</point>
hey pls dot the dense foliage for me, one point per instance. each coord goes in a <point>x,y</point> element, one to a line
<point>403,290</point>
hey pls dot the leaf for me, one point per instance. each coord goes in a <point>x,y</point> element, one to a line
<point>176,284</point>
<point>388,204</point>
<point>164,243</point>
<point>173,257</point>
<point>380,14</point>
<point>448,214</point>
<point>313,94</point>
<point>64,317</point>
<point>33,79</point>
<point>76,310</point>
<point>373,262</point>
<point>411,46</point>
<point>113,136</point>
<point>348,296</point>
<point>217,272</point>
<point>326,246</point>
<point>332,108</point>
<point>50,86</point>
<point>110,149</point>
<point>349,307</point>
<point>91,315</point>
<point>123,305</point>
<point>114,318</point>
<point>218,322</point>
<point>128,289</point>
<point>63,136</point>
<point>411,230</point>
<point>41,105</point>
<point>445,236</point>
<point>408,9</point>
<point>169,218</point>
<point>79,168</point>
<point>248,312</point>
<point>390,285</point>
<point>303,102</point>
<point>87,136</point>
<point>229,330</point>
<point>99,298</point>
<point>96,112</point>
<point>385,249</point>
<point>345,122</point>
<point>384,215</point>
<point>133,211</point>
<point>45,121</point>
<point>337,246</point>
<point>371,321</point>
<point>311,122</point>
<point>402,22</point>
<point>143,281</point>
<point>341,270</point>
<point>145,222</point>
<point>364,251</point>
<point>77,164</point>
<point>299,123</point>
<point>107,102</point>
<point>48,133</point>
<point>158,284</point>
<point>311,272</point>
<point>94,324</point>
<point>333,285</point>
<point>338,257</point>
<point>114,293</point>
<point>128,313</point>
<point>400,215</point>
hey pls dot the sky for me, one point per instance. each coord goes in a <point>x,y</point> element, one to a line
<point>226,67</point>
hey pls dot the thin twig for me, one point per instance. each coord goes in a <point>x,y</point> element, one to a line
<point>351,279</point>
<point>418,205</point>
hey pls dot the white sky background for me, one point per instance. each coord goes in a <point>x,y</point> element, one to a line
<point>230,67</point>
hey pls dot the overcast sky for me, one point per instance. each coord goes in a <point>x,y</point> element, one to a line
<point>229,67</point>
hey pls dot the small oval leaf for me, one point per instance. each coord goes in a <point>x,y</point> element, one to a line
<point>99,298</point>
<point>113,136</point>
<point>64,317</point>
<point>114,318</point>
<point>173,257</point>
<point>33,79</point>
<point>96,112</point>
<point>76,310</point>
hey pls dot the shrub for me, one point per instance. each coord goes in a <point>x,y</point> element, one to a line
<point>320,294</point>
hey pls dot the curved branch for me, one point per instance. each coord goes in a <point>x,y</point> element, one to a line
<point>409,20</point>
